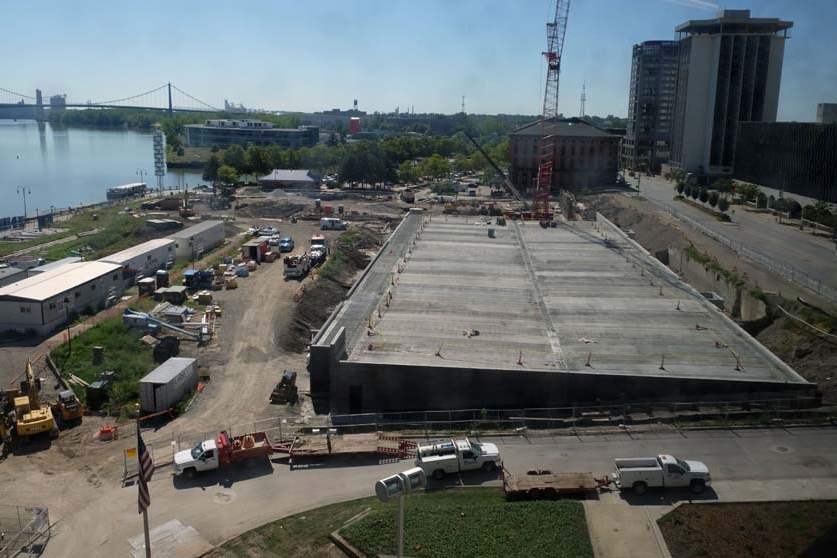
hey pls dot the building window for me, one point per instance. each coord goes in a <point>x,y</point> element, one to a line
<point>52,306</point>
<point>25,310</point>
<point>77,294</point>
<point>114,277</point>
<point>92,287</point>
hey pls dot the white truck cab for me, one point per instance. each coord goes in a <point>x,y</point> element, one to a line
<point>665,471</point>
<point>202,457</point>
<point>454,456</point>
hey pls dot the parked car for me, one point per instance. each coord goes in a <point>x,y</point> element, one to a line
<point>274,240</point>
<point>286,244</point>
<point>268,231</point>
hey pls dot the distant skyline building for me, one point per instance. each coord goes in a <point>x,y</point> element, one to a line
<point>729,70</point>
<point>223,133</point>
<point>827,113</point>
<point>647,142</point>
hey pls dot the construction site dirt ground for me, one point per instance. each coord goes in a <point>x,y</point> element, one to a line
<point>243,363</point>
<point>813,356</point>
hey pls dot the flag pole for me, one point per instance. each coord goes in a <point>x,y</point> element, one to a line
<point>147,536</point>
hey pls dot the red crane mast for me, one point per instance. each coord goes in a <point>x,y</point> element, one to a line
<point>555,32</point>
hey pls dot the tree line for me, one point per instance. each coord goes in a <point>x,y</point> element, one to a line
<point>405,158</point>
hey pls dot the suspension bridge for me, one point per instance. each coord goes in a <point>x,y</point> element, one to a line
<point>167,97</point>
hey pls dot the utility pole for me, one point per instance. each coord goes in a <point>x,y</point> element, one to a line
<point>141,173</point>
<point>463,104</point>
<point>583,98</point>
<point>24,191</point>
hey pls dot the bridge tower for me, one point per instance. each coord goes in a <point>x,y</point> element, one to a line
<point>171,111</point>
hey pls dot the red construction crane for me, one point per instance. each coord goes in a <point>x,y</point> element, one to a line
<point>555,31</point>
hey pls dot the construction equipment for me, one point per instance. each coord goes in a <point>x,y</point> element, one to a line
<point>506,182</point>
<point>134,318</point>
<point>31,417</point>
<point>198,278</point>
<point>285,391</point>
<point>555,32</point>
<point>68,409</point>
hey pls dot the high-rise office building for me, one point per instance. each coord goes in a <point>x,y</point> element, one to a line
<point>647,142</point>
<point>729,70</point>
<point>827,113</point>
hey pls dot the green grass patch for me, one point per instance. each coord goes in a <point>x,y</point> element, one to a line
<point>475,522</point>
<point>116,230</point>
<point>752,529</point>
<point>125,354</point>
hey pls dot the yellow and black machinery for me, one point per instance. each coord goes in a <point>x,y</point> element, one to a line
<point>31,416</point>
<point>285,391</point>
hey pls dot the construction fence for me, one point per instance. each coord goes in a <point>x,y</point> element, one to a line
<point>675,413</point>
<point>23,530</point>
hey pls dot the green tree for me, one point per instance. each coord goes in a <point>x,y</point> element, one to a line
<point>434,167</point>
<point>227,174</point>
<point>748,192</point>
<point>723,204</point>
<point>680,187</point>
<point>713,198</point>
<point>723,185</point>
<point>407,171</point>
<point>703,195</point>
<point>235,157</point>
<point>210,169</point>
<point>695,192</point>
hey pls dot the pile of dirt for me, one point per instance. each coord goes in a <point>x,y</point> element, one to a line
<point>268,208</point>
<point>650,231</point>
<point>351,253</point>
<point>812,355</point>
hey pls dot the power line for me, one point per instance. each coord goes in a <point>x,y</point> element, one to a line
<point>195,99</point>
<point>16,93</point>
<point>114,101</point>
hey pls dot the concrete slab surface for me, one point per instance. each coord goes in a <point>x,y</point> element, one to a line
<point>575,298</point>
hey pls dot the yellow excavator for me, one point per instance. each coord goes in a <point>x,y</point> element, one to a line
<point>31,416</point>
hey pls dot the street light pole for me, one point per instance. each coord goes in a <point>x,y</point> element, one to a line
<point>140,173</point>
<point>24,190</point>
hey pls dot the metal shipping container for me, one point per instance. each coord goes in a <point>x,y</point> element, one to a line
<point>167,384</point>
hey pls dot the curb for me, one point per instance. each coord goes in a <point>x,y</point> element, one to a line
<point>344,545</point>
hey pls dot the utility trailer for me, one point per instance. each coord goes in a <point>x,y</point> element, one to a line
<point>329,445</point>
<point>546,485</point>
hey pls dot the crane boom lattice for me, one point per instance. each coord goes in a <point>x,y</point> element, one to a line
<point>555,32</point>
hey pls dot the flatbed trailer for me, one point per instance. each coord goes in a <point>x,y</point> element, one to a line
<point>545,485</point>
<point>319,446</point>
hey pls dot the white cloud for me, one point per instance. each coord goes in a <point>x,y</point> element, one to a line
<point>699,4</point>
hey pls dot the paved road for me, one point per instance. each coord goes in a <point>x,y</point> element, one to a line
<point>746,464</point>
<point>815,256</point>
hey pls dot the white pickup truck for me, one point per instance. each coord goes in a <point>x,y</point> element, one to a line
<point>444,457</point>
<point>665,471</point>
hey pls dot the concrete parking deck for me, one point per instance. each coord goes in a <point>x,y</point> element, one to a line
<point>580,298</point>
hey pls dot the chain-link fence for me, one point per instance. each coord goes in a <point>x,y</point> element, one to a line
<point>23,530</point>
<point>675,412</point>
<point>786,271</point>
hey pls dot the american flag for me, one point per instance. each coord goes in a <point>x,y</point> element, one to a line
<point>146,469</point>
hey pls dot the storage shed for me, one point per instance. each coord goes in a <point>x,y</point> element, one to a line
<point>254,249</point>
<point>143,259</point>
<point>168,384</point>
<point>192,242</point>
<point>46,300</point>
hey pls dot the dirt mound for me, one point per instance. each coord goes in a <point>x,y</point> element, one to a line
<point>268,208</point>
<point>350,255</point>
<point>652,232</point>
<point>812,355</point>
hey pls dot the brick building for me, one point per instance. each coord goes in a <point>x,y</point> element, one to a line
<point>585,156</point>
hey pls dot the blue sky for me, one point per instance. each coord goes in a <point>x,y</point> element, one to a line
<point>311,55</point>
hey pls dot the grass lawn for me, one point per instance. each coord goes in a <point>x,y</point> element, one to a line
<point>475,522</point>
<point>125,354</point>
<point>115,231</point>
<point>468,522</point>
<point>752,529</point>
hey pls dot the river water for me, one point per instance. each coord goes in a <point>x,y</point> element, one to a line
<point>71,166</point>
